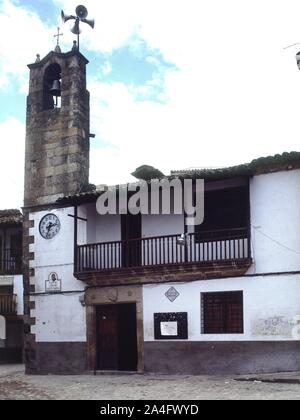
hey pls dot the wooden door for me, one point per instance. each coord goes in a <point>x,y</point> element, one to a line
<point>117,337</point>
<point>107,337</point>
<point>131,249</point>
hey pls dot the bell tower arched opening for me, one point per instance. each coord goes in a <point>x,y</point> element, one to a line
<point>52,87</point>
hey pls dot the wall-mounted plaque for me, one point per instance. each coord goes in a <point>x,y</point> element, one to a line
<point>172,294</point>
<point>53,284</point>
<point>170,326</point>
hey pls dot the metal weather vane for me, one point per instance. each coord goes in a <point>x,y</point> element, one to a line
<point>81,16</point>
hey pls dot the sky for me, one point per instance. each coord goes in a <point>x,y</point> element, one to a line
<point>174,83</point>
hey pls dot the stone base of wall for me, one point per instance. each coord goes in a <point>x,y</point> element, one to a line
<point>217,358</point>
<point>193,358</point>
<point>11,355</point>
<point>57,359</point>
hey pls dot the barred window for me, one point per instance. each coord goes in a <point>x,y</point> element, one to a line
<point>222,313</point>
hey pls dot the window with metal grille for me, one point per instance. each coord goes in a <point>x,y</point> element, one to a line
<point>222,313</point>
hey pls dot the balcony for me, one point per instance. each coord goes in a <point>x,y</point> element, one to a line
<point>10,261</point>
<point>204,255</point>
<point>8,305</point>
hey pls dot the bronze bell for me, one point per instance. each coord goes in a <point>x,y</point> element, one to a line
<point>55,90</point>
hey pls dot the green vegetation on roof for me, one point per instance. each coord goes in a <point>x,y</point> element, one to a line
<point>260,165</point>
<point>146,173</point>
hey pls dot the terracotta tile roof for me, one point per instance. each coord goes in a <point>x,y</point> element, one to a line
<point>258,166</point>
<point>11,217</point>
<point>285,161</point>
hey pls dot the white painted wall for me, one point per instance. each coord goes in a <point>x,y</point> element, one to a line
<point>108,228</point>
<point>162,224</point>
<point>275,219</point>
<point>58,250</point>
<point>91,230</point>
<point>100,228</point>
<point>270,305</point>
<point>82,225</point>
<point>18,290</point>
<point>65,274</point>
<point>59,317</point>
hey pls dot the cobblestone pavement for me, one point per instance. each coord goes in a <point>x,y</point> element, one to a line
<point>14,384</point>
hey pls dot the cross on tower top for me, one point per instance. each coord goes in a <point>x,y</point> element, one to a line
<point>58,35</point>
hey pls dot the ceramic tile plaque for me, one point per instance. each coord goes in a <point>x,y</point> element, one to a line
<point>172,294</point>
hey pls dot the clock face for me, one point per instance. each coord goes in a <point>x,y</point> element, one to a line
<point>49,226</point>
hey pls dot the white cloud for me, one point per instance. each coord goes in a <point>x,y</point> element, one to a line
<point>12,140</point>
<point>235,96</point>
<point>116,21</point>
<point>106,68</point>
<point>23,36</point>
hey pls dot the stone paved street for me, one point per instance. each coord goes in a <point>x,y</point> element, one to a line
<point>15,385</point>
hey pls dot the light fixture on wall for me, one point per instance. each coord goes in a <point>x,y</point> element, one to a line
<point>82,300</point>
<point>298,59</point>
<point>182,240</point>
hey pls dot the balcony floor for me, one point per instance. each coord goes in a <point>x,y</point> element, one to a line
<point>166,273</point>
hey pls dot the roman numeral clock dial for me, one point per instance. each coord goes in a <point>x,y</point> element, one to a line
<point>49,226</point>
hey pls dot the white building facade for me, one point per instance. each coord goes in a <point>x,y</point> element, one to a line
<point>211,313</point>
<point>125,292</point>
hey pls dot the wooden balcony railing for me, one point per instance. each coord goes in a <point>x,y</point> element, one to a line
<point>10,261</point>
<point>8,304</point>
<point>208,246</point>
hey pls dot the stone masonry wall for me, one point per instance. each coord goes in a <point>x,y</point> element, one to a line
<point>57,140</point>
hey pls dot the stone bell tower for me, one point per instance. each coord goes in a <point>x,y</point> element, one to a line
<point>57,128</point>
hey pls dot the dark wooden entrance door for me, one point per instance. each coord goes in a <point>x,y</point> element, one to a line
<point>131,226</point>
<point>117,337</point>
<point>107,331</point>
